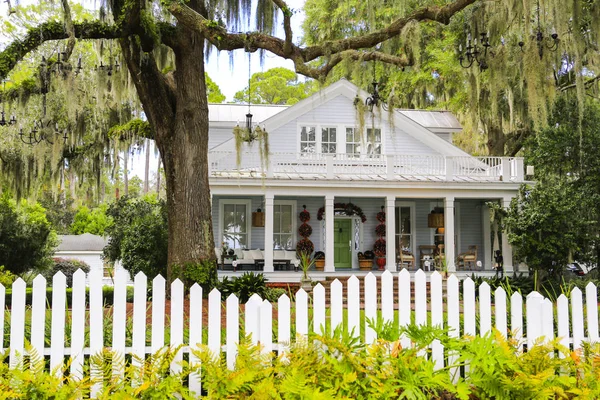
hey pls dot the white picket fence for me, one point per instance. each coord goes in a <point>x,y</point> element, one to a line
<point>539,314</point>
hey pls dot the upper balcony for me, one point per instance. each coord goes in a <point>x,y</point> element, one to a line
<point>417,168</point>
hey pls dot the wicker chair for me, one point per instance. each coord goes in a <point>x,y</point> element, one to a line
<point>468,260</point>
<point>406,257</point>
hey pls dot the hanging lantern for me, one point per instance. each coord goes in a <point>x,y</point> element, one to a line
<point>435,219</point>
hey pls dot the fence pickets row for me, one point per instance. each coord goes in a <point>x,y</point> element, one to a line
<point>427,309</point>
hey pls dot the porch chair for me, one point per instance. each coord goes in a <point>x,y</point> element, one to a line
<point>468,260</point>
<point>405,257</point>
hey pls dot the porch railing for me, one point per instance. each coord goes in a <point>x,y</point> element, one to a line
<point>378,166</point>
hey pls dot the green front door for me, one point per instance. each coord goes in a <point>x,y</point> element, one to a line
<point>342,252</point>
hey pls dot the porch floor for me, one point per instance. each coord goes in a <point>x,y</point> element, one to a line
<point>293,277</point>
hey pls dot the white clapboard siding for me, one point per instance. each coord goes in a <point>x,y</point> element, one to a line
<point>17,324</point>
<point>573,322</point>
<point>77,324</point>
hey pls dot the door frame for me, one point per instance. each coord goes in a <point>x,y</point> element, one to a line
<point>355,245</point>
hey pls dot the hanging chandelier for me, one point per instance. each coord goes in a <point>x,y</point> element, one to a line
<point>542,42</point>
<point>374,100</point>
<point>435,219</point>
<point>475,52</point>
<point>43,130</point>
<point>249,133</point>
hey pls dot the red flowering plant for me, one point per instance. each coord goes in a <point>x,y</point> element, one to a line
<point>380,230</point>
<point>305,230</point>
<point>304,215</point>
<point>379,248</point>
<point>305,246</point>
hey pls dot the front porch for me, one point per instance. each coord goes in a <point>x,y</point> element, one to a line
<point>264,232</point>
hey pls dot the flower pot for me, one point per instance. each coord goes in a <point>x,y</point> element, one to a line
<point>365,265</point>
<point>306,284</point>
<point>320,264</point>
<point>381,263</point>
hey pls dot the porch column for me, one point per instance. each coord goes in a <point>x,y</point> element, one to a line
<point>390,232</point>
<point>449,233</point>
<point>268,252</point>
<point>507,253</point>
<point>329,235</point>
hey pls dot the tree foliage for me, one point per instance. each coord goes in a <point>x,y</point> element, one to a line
<point>213,91</point>
<point>138,235</point>
<point>559,218</point>
<point>27,240</point>
<point>94,221</point>
<point>275,86</point>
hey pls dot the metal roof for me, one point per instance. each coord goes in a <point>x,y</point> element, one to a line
<point>84,242</point>
<point>434,120</point>
<point>234,113</point>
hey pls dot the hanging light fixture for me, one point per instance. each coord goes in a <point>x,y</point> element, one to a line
<point>41,128</point>
<point>475,52</point>
<point>542,42</point>
<point>250,133</point>
<point>374,100</point>
<point>3,120</point>
<point>435,219</point>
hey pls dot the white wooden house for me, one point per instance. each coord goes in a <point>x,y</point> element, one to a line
<point>405,165</point>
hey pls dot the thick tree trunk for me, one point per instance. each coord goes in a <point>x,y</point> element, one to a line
<point>158,178</point>
<point>184,151</point>
<point>496,141</point>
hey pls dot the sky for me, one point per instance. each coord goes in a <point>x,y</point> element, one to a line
<point>230,78</point>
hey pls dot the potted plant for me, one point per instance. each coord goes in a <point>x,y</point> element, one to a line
<point>379,248</point>
<point>306,262</point>
<point>319,260</point>
<point>365,260</point>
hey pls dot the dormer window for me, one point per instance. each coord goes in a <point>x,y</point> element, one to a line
<point>324,139</point>
<point>373,141</point>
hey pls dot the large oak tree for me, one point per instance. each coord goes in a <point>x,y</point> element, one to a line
<point>175,99</point>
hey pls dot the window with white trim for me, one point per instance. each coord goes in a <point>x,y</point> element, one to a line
<point>353,142</point>
<point>284,228</point>
<point>235,223</point>
<point>308,139</point>
<point>328,140</point>
<point>373,141</point>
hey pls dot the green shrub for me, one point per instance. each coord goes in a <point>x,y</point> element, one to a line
<point>246,285</point>
<point>94,221</point>
<point>67,267</point>
<point>6,277</point>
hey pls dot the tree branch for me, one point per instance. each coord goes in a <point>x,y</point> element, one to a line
<point>15,52</point>
<point>224,40</point>
<point>287,24</point>
<point>69,28</point>
<point>586,83</point>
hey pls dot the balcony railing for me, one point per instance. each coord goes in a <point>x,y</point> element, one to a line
<point>363,167</point>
